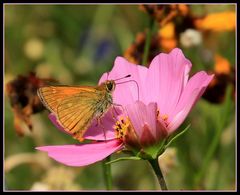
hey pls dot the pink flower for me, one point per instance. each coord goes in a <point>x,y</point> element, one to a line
<point>152,111</point>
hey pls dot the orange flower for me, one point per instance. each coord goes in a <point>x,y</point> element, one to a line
<point>222,65</point>
<point>167,37</point>
<point>168,44</point>
<point>224,21</point>
<point>22,94</point>
<point>165,13</point>
<point>224,76</point>
<point>167,31</point>
<point>184,9</point>
<point>134,53</point>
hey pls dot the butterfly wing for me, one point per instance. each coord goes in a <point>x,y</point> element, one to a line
<point>52,96</point>
<point>74,107</point>
<point>76,112</point>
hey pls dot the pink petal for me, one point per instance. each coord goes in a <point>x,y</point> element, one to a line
<point>82,155</point>
<point>192,92</point>
<point>162,130</point>
<point>180,116</point>
<point>198,81</point>
<point>126,92</point>
<point>103,130</point>
<point>142,115</point>
<point>167,76</point>
<point>147,138</point>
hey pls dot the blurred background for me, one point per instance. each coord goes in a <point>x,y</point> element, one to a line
<point>75,45</point>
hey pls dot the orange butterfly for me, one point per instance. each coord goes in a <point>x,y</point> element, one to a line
<point>76,107</point>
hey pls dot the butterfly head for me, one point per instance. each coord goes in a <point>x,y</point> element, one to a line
<point>110,85</point>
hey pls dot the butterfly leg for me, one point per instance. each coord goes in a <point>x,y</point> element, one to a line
<point>99,122</point>
<point>113,115</point>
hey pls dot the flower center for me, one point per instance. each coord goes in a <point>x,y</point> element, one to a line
<point>121,127</point>
<point>163,117</point>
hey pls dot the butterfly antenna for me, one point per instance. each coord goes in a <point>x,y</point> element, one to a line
<point>122,77</point>
<point>130,81</point>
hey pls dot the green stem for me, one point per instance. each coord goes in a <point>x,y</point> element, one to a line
<point>158,172</point>
<point>148,42</point>
<point>107,173</point>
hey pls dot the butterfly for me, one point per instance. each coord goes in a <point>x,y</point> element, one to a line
<point>77,106</point>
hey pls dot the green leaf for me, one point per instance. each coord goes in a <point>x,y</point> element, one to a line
<point>176,136</point>
<point>124,158</point>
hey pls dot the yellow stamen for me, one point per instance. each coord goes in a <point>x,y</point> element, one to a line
<point>121,127</point>
<point>164,117</point>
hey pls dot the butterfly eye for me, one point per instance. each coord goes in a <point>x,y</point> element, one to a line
<point>110,86</point>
